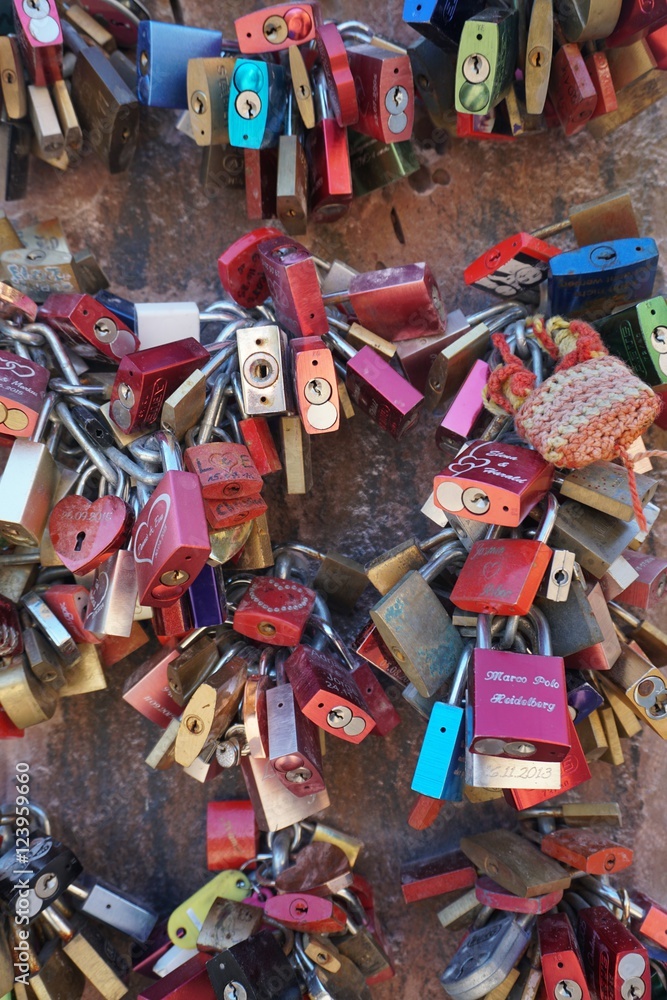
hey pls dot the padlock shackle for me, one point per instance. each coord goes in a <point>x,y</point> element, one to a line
<point>215,407</point>
<point>545,527</point>
<point>172,460</point>
<point>96,455</point>
<point>542,631</point>
<point>133,469</point>
<point>57,349</point>
<point>460,678</point>
<point>446,535</point>
<point>611,895</point>
<point>625,615</point>
<point>480,317</point>
<point>331,338</point>
<point>333,636</point>
<point>484,623</point>
<point>442,556</point>
<point>238,394</point>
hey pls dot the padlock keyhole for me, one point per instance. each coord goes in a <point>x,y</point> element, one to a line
<point>79,541</point>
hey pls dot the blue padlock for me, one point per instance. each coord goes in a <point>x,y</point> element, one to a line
<point>207,598</point>
<point>441,765</point>
<point>120,307</point>
<point>595,280</point>
<point>581,696</point>
<point>163,51</point>
<point>441,21</point>
<point>257,104</point>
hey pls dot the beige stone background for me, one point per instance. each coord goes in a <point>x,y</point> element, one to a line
<point>158,237</point>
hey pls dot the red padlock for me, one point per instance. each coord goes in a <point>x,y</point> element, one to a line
<point>85,533</point>
<point>23,386</point>
<point>8,731</point>
<point>657,43</point>
<point>330,171</point>
<point>315,385</point>
<point>436,876</point>
<point>69,603</point>
<point>301,911</point>
<point>257,437</point>
<point>514,268</point>
<point>650,585</point>
<point>385,92</point>
<point>494,483</point>
<point>274,611</point>
<point>148,689</point>
<point>501,576</point>
<point>84,320</point>
<point>277,27</point>
<point>232,837</point>
<point>40,39</point>
<point>371,647</point>
<point>261,179</point>
<point>571,89</point>
<point>11,637</point>
<point>653,921</point>
<point>587,851</point>
<point>597,65</point>
<point>171,543</point>
<point>574,771</point>
<point>15,306</point>
<point>561,961</point>
<point>340,82</point>
<point>328,694</point>
<point>225,470</point>
<point>638,19</point>
<point>489,893</point>
<point>145,379</point>
<point>294,285</point>
<point>226,513</point>
<point>616,962</point>
<point>240,268</point>
<point>424,812</point>
<point>173,621</point>
<point>189,981</point>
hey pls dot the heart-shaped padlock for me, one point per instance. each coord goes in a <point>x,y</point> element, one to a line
<point>85,533</point>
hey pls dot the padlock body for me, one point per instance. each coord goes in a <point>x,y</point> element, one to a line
<point>385,92</point>
<point>389,400</point>
<point>330,171</point>
<point>315,385</point>
<point>27,488</point>
<point>494,483</point>
<point>501,576</point>
<point>40,40</point>
<point>294,743</point>
<point>587,851</point>
<point>22,389</point>
<point>222,514</point>
<point>560,954</point>
<point>257,438</point>
<point>225,470</point>
<point>637,20</point>
<point>326,693</point>
<point>611,954</point>
<point>440,767</point>
<point>486,61</point>
<point>512,269</point>
<point>240,268</point>
<point>274,611</point>
<point>294,286</point>
<point>171,543</point>
<point>571,89</point>
<point>594,280</point>
<point>277,27</point>
<point>232,836</point>
<point>85,321</point>
<point>341,91</point>
<point>256,104</point>
<point>638,335</point>
<point>519,706</point>
<point>399,303</point>
<point>163,51</point>
<point>574,771</point>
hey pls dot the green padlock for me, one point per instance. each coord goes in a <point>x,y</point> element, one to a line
<point>377,164</point>
<point>486,60</point>
<point>186,920</point>
<point>638,334</point>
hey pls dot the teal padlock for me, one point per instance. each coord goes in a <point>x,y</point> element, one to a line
<point>257,104</point>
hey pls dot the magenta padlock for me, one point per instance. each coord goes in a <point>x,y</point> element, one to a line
<point>518,701</point>
<point>463,414</point>
<point>171,543</point>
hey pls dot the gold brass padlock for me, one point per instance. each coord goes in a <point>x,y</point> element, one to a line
<point>26,701</point>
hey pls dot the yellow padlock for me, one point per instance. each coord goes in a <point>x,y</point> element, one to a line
<point>187,919</point>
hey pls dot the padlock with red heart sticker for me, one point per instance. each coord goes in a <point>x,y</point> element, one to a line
<point>86,532</point>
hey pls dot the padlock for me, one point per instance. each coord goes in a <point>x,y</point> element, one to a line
<point>171,545</point>
<point>562,967</point>
<point>42,659</point>
<point>294,744</point>
<point>163,51</point>
<point>515,864</point>
<point>638,334</point>
<point>303,911</point>
<point>227,923</point>
<point>232,836</point>
<point>342,580</point>
<point>107,108</point>
<point>571,90</point>
<point>41,877</point>
<point>388,399</point>
<point>274,805</point>
<point>208,82</point>
<point>184,979</point>
<point>185,921</point>
<point>398,303</point>
<point>364,948</point>
<point>28,484</point>
<point>378,164</point>
<point>435,876</point>
<point>328,694</point>
<point>486,957</point>
<point>277,27</point>
<point>158,323</point>
<point>58,637</point>
<point>597,279</point>
<point>495,483</point>
<point>635,22</point>
<point>23,385</point>
<point>439,770</point>
<point>651,639</point>
<point>256,969</point>
<point>433,74</point>
<point>296,452</point>
<point>53,974</point>
<point>25,700</point>
<point>195,658</point>
<point>466,417</point>
<point>222,514</point>
<point>83,320</point>
<point>587,851</point>
<point>207,600</point>
<point>489,893</point>
<point>486,60</point>
<point>12,81</point>
<point>294,286</point>
<point>539,54</point>
<point>225,471</point>
<point>292,179</point>
<point>113,907</point>
<point>261,182</point>
<point>254,707</point>
<point>113,596</point>
<point>86,533</point>
<point>330,171</point>
<point>616,963</point>
<point>79,945</point>
<point>597,539</point>
<point>605,487</point>
<point>650,584</point>
<point>210,712</point>
<point>257,438</point>
<point>240,268</point>
<point>428,654</point>
<point>385,92</point>
<point>642,687</point>
<point>183,409</point>
<point>40,39</point>
<point>597,65</point>
<point>274,611</point>
<point>145,379</point>
<point>572,623</point>
<point>513,268</point>
<point>315,386</point>
<point>301,89</point>
<point>528,728</point>
<point>603,654</point>
<point>341,91</point>
<point>505,589</point>
<point>440,22</point>
<point>257,104</point>
<point>574,772</point>
<point>320,870</point>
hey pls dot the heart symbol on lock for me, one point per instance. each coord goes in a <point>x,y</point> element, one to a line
<point>149,533</point>
<point>86,532</point>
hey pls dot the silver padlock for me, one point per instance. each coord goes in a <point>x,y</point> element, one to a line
<point>262,366</point>
<point>486,957</point>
